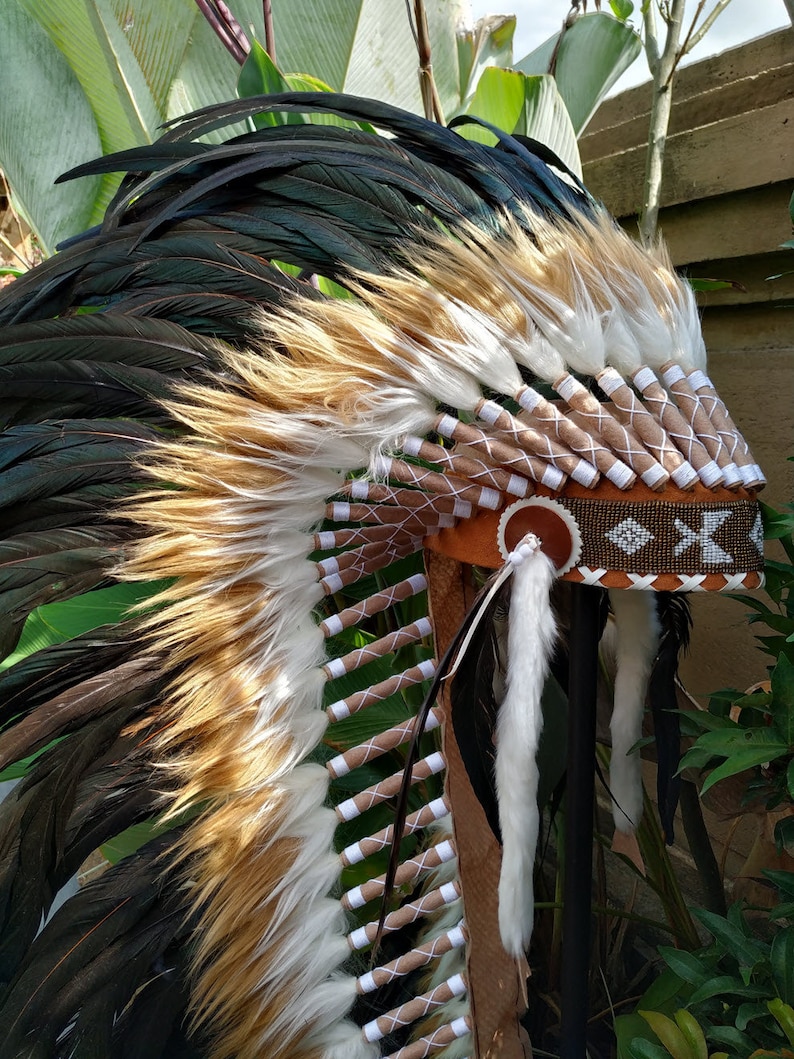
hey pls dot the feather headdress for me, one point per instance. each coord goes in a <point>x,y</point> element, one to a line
<point>504,380</point>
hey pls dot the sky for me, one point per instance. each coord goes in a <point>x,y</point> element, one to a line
<point>741,21</point>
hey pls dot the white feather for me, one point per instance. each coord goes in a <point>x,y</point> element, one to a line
<point>481,349</point>
<point>622,349</point>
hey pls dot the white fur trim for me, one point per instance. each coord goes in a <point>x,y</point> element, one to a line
<point>637,641</point>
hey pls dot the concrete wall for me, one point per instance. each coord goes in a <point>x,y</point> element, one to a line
<point>729,174</point>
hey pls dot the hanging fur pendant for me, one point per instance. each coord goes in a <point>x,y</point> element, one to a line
<point>505,780</point>
<point>637,641</point>
<point>499,740</point>
<point>531,637</point>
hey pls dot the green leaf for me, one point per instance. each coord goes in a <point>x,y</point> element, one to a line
<point>749,1012</point>
<point>783,880</point>
<point>488,43</point>
<point>731,739</point>
<point>627,1028</point>
<point>91,36</point>
<point>259,76</point>
<point>705,285</point>
<point>158,36</point>
<point>736,1041</point>
<point>621,9</point>
<point>529,106</point>
<point>56,622</point>
<point>686,965</point>
<point>784,1016</point>
<point>39,139</point>
<point>668,1033</point>
<point>693,1034</point>
<point>662,993</point>
<point>21,768</point>
<point>726,985</point>
<point>129,841</point>
<point>782,708</point>
<point>369,723</point>
<point>642,1049</point>
<point>739,761</point>
<point>747,952</point>
<point>365,47</point>
<point>776,523</point>
<point>784,834</point>
<point>307,83</point>
<point>594,52</point>
<point>781,958</point>
<point>743,748</point>
<point>758,700</point>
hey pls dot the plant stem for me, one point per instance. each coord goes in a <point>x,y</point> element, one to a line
<point>663,880</point>
<point>427,84</point>
<point>700,848</point>
<point>226,27</point>
<point>270,35</point>
<point>7,244</point>
<point>568,21</point>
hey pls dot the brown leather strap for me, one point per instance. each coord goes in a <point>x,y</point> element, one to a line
<point>497,989</point>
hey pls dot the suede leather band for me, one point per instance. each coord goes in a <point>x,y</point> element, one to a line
<point>497,983</point>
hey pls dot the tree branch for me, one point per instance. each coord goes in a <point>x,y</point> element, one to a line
<point>686,46</point>
<point>662,71</point>
<point>651,40</point>
<point>698,36</point>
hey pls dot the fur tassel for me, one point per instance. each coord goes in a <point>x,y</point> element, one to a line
<point>637,641</point>
<point>531,635</point>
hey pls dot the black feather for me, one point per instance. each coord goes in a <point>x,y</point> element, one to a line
<point>480,612</point>
<point>676,622</point>
<point>46,674</point>
<point>79,507</point>
<point>474,708</point>
<point>94,955</point>
<point>39,723</point>
<point>33,821</point>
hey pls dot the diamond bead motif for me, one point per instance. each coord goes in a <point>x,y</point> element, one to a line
<point>629,535</point>
<point>757,534</point>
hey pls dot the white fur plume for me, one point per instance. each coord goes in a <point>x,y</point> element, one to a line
<point>531,635</point>
<point>637,641</point>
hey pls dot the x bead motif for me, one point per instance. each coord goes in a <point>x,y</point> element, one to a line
<point>710,551</point>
